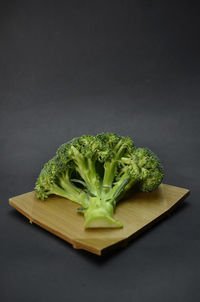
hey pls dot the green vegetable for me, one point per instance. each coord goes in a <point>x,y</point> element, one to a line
<point>96,172</point>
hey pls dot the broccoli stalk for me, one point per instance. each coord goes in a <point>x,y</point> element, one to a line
<point>101,208</point>
<point>96,172</point>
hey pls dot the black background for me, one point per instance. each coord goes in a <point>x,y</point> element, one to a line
<point>83,67</point>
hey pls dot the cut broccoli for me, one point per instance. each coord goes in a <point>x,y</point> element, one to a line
<point>96,172</point>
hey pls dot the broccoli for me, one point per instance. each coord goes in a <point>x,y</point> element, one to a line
<point>96,172</point>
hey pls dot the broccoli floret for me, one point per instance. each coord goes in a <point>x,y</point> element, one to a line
<point>54,178</point>
<point>149,167</point>
<point>96,172</point>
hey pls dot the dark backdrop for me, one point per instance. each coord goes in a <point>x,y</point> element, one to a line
<point>82,67</point>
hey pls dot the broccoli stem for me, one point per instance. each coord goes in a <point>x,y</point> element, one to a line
<point>86,169</point>
<point>59,191</point>
<point>118,188</point>
<point>100,210</point>
<point>100,214</point>
<point>80,198</point>
<point>110,168</point>
<point>95,183</point>
<point>109,174</point>
<point>69,187</point>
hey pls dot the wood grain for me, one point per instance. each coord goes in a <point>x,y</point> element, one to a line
<point>59,216</point>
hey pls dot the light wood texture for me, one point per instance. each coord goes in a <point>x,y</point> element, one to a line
<point>59,216</point>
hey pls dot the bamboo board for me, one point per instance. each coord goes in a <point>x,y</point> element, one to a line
<point>139,212</point>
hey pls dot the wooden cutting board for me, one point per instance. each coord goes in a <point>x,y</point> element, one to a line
<point>59,216</point>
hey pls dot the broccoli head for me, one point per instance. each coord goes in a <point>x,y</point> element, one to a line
<point>96,172</point>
